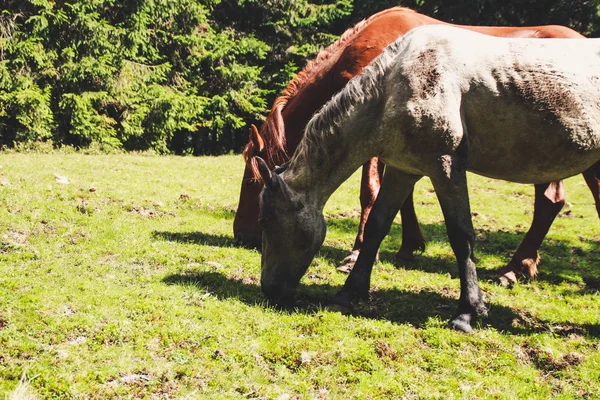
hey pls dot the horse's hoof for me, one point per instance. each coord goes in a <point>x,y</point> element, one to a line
<point>508,279</point>
<point>346,298</point>
<point>461,323</point>
<point>407,251</point>
<point>345,268</point>
<point>342,302</point>
<point>348,262</point>
<point>405,255</point>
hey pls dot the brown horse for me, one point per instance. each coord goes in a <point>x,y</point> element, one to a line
<point>328,74</point>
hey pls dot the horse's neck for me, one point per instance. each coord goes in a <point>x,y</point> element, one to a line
<point>318,168</point>
<point>305,103</point>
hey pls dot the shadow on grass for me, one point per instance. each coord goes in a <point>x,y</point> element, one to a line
<point>561,261</point>
<point>202,238</point>
<point>398,306</point>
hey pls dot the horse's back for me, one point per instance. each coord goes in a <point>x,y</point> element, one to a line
<point>519,102</point>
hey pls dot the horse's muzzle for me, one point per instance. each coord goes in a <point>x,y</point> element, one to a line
<point>280,294</point>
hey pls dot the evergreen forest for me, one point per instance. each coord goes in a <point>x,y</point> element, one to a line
<point>189,76</point>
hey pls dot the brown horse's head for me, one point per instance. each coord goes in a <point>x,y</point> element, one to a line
<point>245,230</point>
<point>269,146</point>
<point>293,231</point>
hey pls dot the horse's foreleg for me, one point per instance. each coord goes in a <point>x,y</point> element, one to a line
<point>396,186</point>
<point>549,200</point>
<point>592,178</point>
<point>412,236</point>
<point>452,193</point>
<point>369,187</point>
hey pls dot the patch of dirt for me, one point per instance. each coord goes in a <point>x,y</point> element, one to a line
<point>527,321</point>
<point>20,237</point>
<point>148,212</point>
<point>566,214</point>
<point>45,227</point>
<point>250,280</point>
<point>384,350</point>
<point>134,378</point>
<point>78,236</point>
<point>230,209</point>
<point>352,214</point>
<point>545,361</point>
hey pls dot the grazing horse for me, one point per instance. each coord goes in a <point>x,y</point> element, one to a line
<point>326,75</point>
<point>438,102</point>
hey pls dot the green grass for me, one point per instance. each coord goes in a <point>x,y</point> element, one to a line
<point>126,283</point>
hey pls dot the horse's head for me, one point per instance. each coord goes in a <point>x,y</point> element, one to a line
<point>245,225</point>
<point>293,231</point>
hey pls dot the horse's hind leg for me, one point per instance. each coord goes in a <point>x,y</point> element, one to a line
<point>549,200</point>
<point>592,178</point>
<point>396,186</point>
<point>452,193</point>
<point>412,236</point>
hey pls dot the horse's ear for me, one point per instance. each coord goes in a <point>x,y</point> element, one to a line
<point>280,168</point>
<point>270,179</point>
<point>256,139</point>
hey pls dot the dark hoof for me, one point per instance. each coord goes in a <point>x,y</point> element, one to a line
<point>405,255</point>
<point>461,323</point>
<point>344,300</point>
<point>407,252</point>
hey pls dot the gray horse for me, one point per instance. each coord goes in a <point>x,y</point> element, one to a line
<point>438,102</point>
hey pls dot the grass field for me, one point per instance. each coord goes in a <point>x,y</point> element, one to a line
<point>125,282</point>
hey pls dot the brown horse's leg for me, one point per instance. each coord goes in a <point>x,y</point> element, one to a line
<point>394,190</point>
<point>369,188</point>
<point>549,200</point>
<point>412,237</point>
<point>592,176</point>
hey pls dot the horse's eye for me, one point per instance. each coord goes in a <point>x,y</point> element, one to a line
<point>262,222</point>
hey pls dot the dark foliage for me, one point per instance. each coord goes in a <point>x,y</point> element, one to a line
<point>187,77</point>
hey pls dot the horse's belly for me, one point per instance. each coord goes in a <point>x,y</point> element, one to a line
<point>530,147</point>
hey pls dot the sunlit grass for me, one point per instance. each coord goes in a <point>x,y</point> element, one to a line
<point>126,283</point>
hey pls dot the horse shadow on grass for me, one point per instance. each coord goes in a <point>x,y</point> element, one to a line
<point>561,261</point>
<point>397,306</point>
<point>196,237</point>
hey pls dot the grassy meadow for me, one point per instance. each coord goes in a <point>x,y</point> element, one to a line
<point>120,278</point>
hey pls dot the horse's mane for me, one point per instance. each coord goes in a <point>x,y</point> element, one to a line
<point>273,129</point>
<point>360,89</point>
